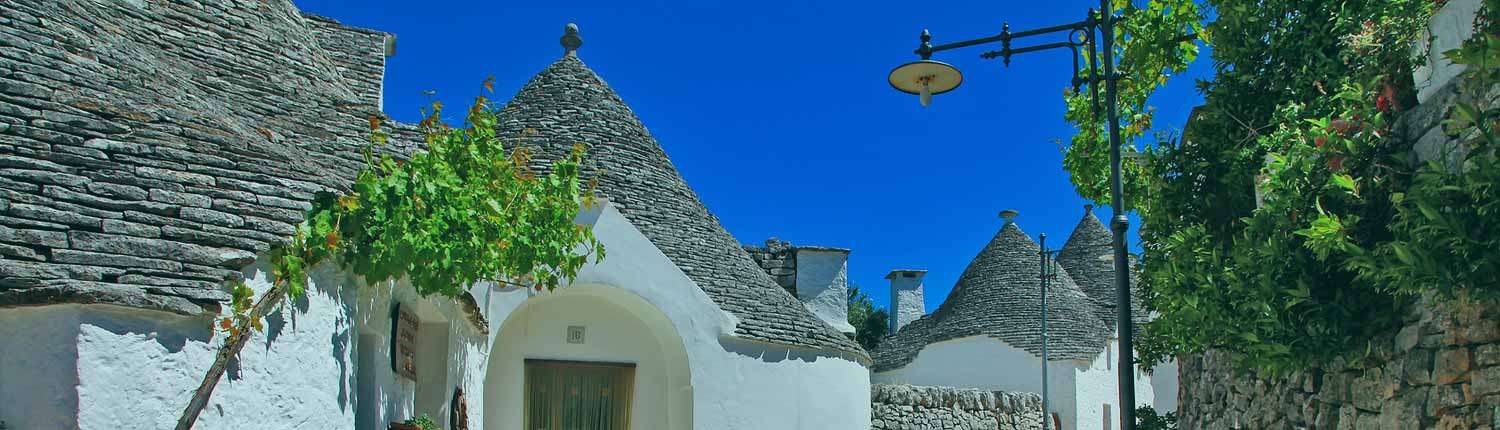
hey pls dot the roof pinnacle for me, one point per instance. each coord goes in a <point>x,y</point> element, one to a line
<point>1009,215</point>
<point>570,40</point>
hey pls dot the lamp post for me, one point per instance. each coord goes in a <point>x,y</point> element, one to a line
<point>1046,258</point>
<point>926,78</point>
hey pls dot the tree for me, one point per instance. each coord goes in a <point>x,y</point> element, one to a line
<point>1288,225</point>
<point>871,323</point>
<point>466,210</point>
<point>1147,419</point>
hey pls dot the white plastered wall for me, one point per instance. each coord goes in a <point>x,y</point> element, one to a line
<point>907,303</point>
<point>39,367</point>
<point>1164,385</point>
<point>447,338</point>
<point>1077,390</point>
<point>985,363</point>
<point>823,285</point>
<point>136,369</point>
<point>1097,385</point>
<point>1450,25</point>
<point>731,383</point>
<point>109,367</point>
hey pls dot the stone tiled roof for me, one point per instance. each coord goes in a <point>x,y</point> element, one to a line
<point>999,296</point>
<point>149,150</point>
<point>568,103</point>
<point>1088,258</point>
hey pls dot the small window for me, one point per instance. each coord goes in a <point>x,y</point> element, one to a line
<point>1108,423</point>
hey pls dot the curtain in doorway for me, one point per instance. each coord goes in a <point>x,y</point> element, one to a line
<point>578,395</point>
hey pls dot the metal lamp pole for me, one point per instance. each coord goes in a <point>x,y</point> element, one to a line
<point>1046,257</point>
<point>927,77</point>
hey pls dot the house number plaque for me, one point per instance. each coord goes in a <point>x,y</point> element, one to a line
<point>575,334</point>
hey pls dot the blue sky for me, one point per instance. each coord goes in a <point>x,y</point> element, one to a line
<point>779,115</point>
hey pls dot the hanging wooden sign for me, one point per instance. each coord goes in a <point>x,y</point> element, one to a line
<point>404,330</point>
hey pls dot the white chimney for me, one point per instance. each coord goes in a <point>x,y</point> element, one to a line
<point>823,284</point>
<point>906,297</point>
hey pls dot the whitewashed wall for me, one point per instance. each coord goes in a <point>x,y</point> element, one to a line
<point>1449,27</point>
<point>907,302</point>
<point>1164,385</point>
<point>986,363</point>
<point>446,337</point>
<point>823,285</point>
<point>1097,385</point>
<point>108,367</point>
<point>734,384</point>
<point>39,367</point>
<point>136,369</point>
<point>1077,390</point>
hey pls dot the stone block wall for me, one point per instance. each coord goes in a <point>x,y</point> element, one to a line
<point>1441,370</point>
<point>903,407</point>
<point>779,259</point>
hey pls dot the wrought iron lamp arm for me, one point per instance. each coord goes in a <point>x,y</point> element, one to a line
<point>1083,28</point>
<point>1005,36</point>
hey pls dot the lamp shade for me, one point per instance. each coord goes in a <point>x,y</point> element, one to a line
<point>936,76</point>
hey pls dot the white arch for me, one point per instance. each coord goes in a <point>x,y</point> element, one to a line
<point>620,327</point>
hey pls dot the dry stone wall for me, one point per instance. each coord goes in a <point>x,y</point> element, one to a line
<point>906,407</point>
<point>779,259</point>
<point>1441,370</point>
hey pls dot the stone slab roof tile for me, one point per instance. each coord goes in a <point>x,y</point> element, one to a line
<point>1088,258</point>
<point>148,150</point>
<point>568,103</point>
<point>999,295</point>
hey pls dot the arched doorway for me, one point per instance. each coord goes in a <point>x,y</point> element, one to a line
<point>592,327</point>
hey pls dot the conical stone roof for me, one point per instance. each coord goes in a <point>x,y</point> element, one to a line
<point>568,103</point>
<point>999,295</point>
<point>1087,256</point>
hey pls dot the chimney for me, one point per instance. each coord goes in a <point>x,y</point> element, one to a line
<point>906,297</point>
<point>822,281</point>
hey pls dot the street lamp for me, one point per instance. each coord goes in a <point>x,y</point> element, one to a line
<point>927,77</point>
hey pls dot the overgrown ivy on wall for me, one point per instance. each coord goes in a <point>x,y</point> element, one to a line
<point>1291,221</point>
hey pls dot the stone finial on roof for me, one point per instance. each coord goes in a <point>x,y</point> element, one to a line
<point>1009,215</point>
<point>1088,208</point>
<point>570,39</point>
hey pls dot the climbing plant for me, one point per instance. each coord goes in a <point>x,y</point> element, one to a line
<point>1445,230</point>
<point>1152,43</point>
<point>467,209</point>
<point>1287,224</point>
